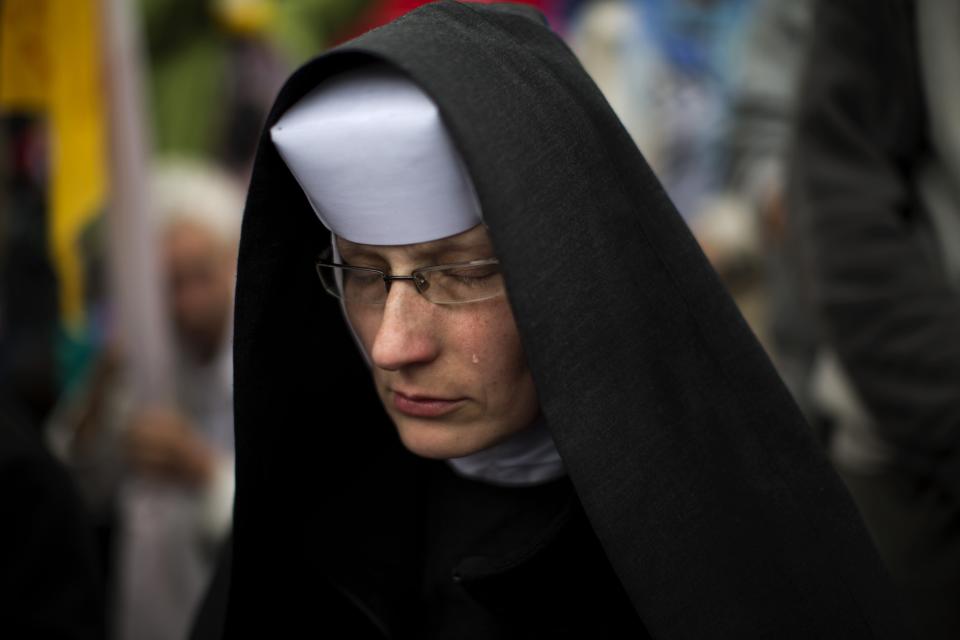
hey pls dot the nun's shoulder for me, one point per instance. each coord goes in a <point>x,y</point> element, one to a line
<point>532,563</point>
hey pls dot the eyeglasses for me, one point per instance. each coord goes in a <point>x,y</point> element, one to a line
<point>441,284</point>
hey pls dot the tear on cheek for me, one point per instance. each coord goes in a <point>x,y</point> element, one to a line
<point>475,359</point>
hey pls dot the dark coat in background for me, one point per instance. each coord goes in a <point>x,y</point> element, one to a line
<point>707,509</point>
<point>879,211</point>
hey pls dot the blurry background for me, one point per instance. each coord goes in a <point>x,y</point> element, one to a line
<point>127,133</point>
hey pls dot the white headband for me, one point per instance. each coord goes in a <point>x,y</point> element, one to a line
<point>372,155</point>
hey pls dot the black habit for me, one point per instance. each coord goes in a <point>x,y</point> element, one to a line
<point>697,503</point>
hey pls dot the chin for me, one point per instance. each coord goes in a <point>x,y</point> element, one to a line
<point>440,441</point>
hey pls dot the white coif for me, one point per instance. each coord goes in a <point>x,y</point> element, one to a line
<point>372,155</point>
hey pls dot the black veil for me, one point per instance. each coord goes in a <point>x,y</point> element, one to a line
<point>700,478</point>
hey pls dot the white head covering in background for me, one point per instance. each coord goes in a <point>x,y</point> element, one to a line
<point>376,163</point>
<point>191,190</point>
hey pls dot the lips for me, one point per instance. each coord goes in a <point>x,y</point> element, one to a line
<point>424,406</point>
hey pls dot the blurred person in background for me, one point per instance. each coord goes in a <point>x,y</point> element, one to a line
<point>671,70</point>
<point>163,550</point>
<point>667,66</point>
<point>758,134</point>
<point>51,583</point>
<point>28,284</point>
<point>876,190</point>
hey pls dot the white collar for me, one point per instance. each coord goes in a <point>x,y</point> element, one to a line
<point>527,458</point>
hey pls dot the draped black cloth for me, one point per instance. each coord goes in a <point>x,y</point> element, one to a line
<point>712,504</point>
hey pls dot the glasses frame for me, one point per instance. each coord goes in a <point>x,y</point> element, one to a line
<point>416,277</point>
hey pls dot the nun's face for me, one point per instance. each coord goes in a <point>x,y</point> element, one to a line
<point>453,377</point>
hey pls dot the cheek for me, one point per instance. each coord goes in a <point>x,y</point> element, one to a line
<point>489,352</point>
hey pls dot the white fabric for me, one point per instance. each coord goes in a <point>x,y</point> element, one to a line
<point>527,458</point>
<point>375,161</point>
<point>171,533</point>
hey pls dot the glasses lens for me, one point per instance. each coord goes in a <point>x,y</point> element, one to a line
<point>353,285</point>
<point>363,286</point>
<point>462,283</point>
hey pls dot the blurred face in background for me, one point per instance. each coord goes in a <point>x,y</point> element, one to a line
<point>199,267</point>
<point>453,377</point>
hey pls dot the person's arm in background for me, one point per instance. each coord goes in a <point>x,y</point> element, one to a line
<point>885,302</point>
<point>163,443</point>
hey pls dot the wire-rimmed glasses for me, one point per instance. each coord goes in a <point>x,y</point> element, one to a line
<point>454,283</point>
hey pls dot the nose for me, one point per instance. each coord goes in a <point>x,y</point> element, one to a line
<point>407,333</point>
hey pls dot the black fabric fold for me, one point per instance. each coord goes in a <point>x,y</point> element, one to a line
<point>712,501</point>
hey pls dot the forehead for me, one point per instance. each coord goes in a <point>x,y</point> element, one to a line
<point>182,235</point>
<point>472,240</point>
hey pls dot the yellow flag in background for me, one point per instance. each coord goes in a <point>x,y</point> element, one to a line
<point>51,62</point>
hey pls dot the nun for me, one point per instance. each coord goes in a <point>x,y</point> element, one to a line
<point>488,386</point>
